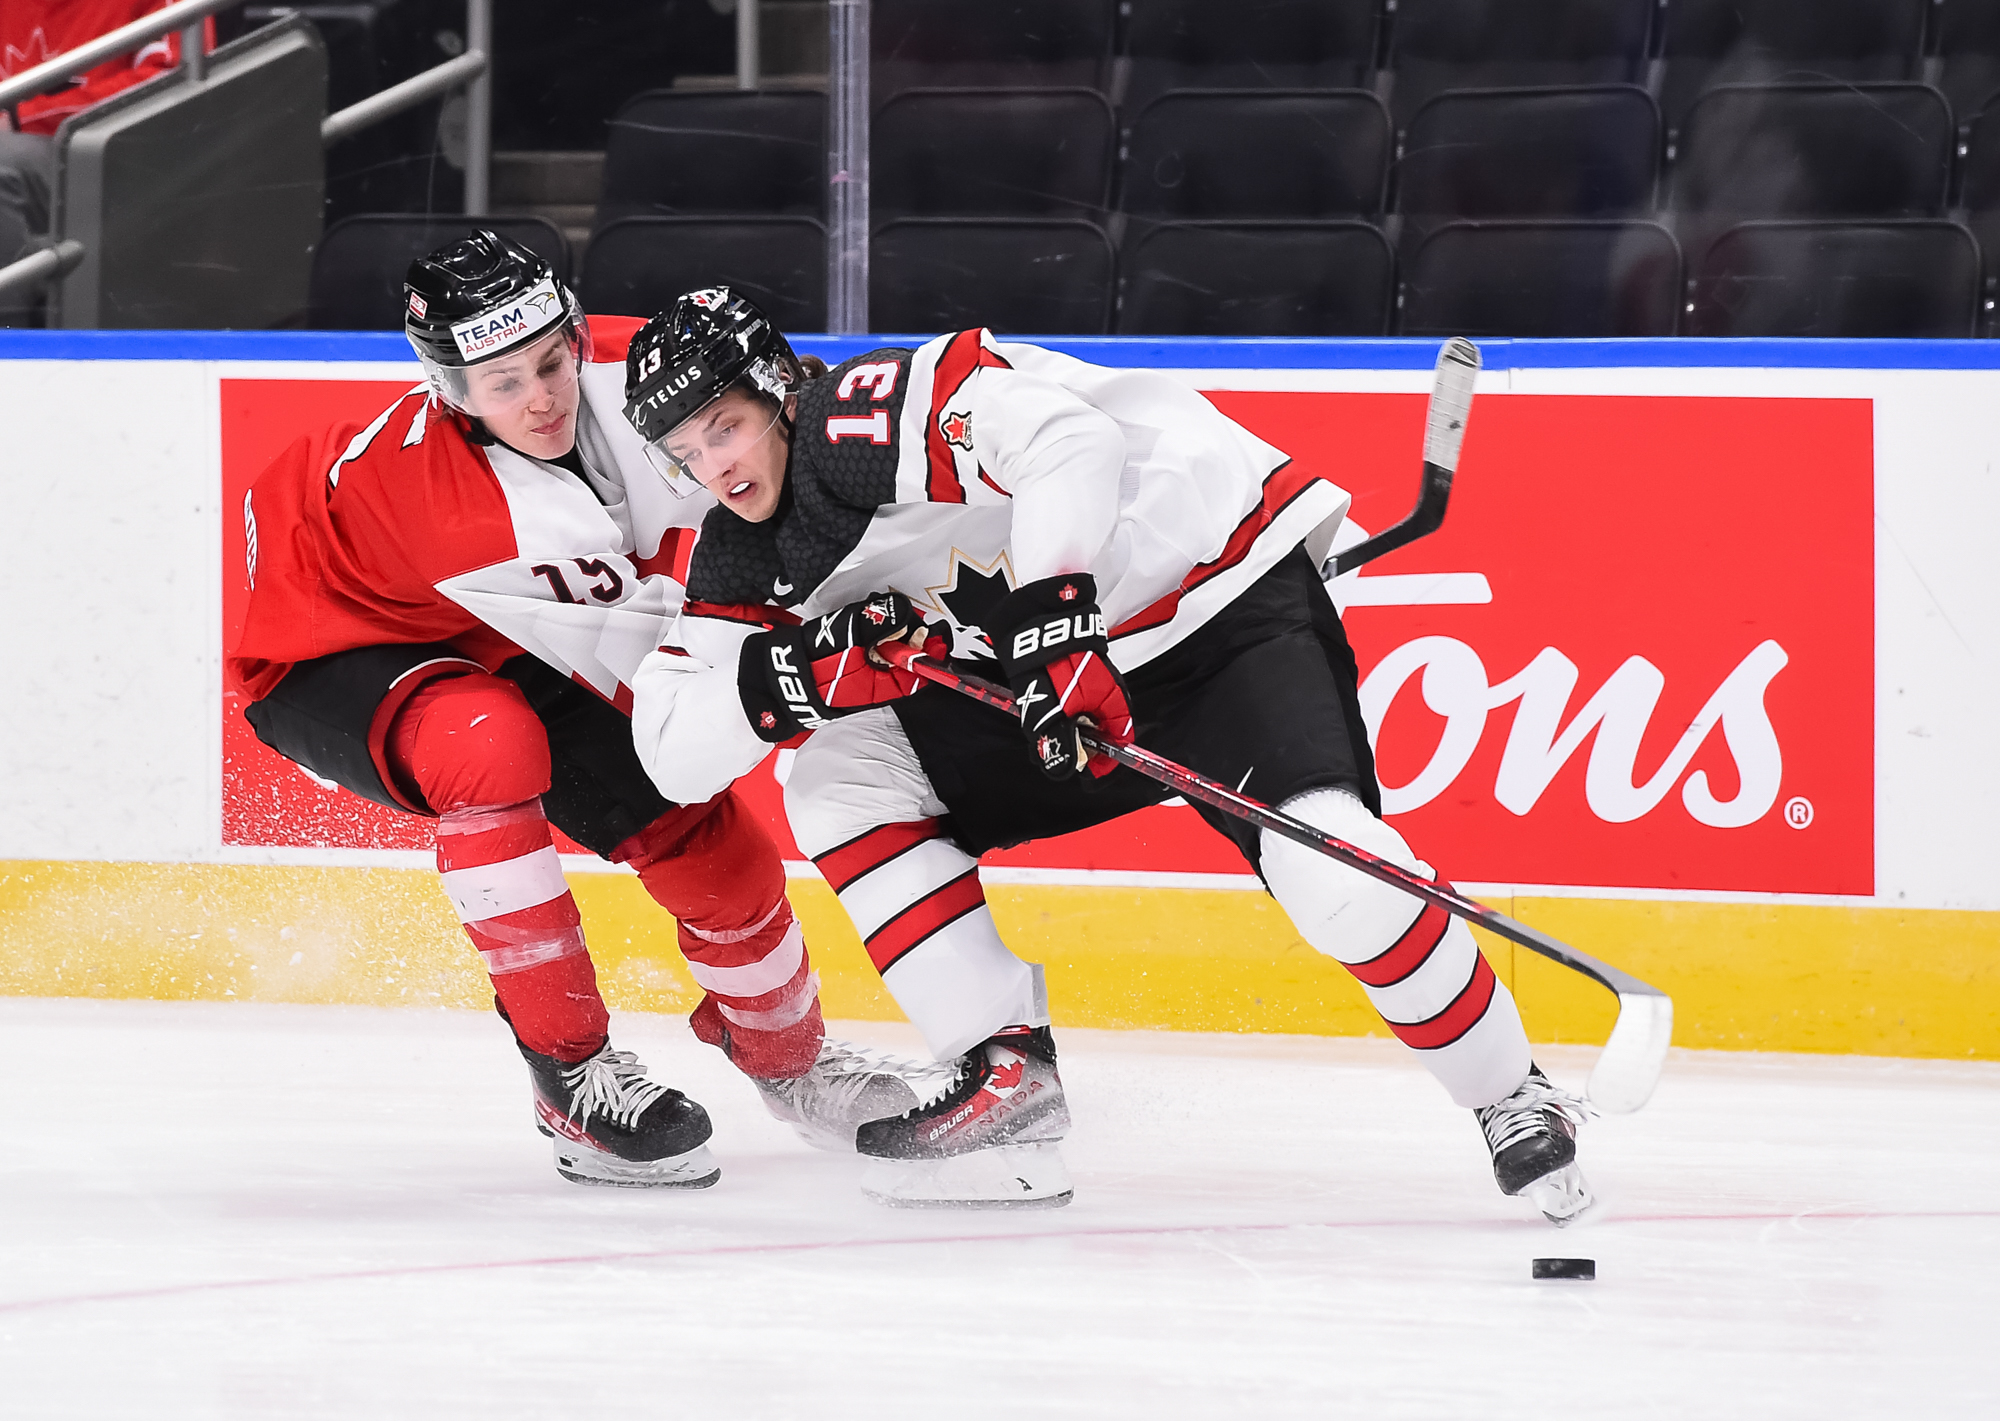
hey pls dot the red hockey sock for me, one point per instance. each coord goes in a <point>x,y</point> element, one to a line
<point>717,871</point>
<point>481,758</point>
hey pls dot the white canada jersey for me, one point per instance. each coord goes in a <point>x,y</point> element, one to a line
<point>953,474</point>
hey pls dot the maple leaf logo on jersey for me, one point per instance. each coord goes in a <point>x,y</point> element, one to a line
<point>956,429</point>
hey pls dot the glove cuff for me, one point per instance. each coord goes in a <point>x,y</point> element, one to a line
<point>1051,617</point>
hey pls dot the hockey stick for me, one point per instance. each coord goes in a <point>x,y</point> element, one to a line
<point>1444,431</point>
<point>1626,1070</point>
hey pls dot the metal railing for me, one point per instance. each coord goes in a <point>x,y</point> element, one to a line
<point>470,70</point>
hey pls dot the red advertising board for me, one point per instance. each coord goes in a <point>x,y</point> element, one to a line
<point>1639,654</point>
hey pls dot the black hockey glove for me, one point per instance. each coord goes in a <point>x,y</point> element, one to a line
<point>1049,636</point>
<point>794,679</point>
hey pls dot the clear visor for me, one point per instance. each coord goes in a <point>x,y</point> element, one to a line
<point>707,444</point>
<point>539,373</point>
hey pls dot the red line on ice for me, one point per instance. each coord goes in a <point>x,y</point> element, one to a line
<point>827,1245</point>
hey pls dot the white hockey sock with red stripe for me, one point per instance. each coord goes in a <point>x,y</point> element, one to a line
<point>1418,964</point>
<point>916,900</point>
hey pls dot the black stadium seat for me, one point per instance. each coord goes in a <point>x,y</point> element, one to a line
<point>1257,278</point>
<point>931,43</point>
<point>357,273</point>
<point>1810,150</point>
<point>1574,152</point>
<point>682,153</point>
<point>1980,196</point>
<point>1248,153</point>
<point>992,152</point>
<point>636,266</point>
<point>1484,44</point>
<point>1915,278</point>
<point>1710,42</point>
<point>1968,46</point>
<point>1260,44</point>
<point>1022,276</point>
<point>1542,279</point>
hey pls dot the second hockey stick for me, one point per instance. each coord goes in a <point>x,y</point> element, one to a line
<point>1444,431</point>
<point>1626,1070</point>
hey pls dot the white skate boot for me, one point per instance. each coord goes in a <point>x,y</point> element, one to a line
<point>1532,1134</point>
<point>987,1141</point>
<point>847,1086</point>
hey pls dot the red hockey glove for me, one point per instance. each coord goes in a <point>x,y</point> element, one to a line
<point>1050,639</point>
<point>793,679</point>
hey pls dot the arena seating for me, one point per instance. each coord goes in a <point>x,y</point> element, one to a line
<point>1889,278</point>
<point>1330,278</point>
<point>1711,42</point>
<point>1020,275</point>
<point>680,153</point>
<point>1481,44</point>
<point>992,152</point>
<point>636,266</point>
<point>1024,43</point>
<point>1590,151</point>
<point>1542,278</point>
<point>1216,153</point>
<point>357,273</point>
<point>1968,53</point>
<point>1248,44</point>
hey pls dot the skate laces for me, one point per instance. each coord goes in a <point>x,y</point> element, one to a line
<point>843,1071</point>
<point>611,1084</point>
<point>1523,1114</point>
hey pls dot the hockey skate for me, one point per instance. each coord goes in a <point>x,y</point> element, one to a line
<point>1532,1134</point>
<point>988,1139</point>
<point>847,1086</point>
<point>611,1125</point>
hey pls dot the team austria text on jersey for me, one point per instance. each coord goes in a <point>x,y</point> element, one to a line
<point>407,532</point>
<point>952,474</point>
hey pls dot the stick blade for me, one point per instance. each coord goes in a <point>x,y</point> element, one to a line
<point>1451,402</point>
<point>1629,1066</point>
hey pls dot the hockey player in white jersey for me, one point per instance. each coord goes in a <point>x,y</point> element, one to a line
<point>1130,559</point>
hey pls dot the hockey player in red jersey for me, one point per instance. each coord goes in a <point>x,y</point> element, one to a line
<point>446,609</point>
<point>1131,559</point>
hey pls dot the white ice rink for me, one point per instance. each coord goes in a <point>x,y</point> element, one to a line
<point>222,1210</point>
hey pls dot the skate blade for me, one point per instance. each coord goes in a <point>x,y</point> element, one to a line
<point>1561,1195</point>
<point>1004,1177</point>
<point>696,1169</point>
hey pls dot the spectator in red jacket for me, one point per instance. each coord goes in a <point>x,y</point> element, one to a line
<point>31,33</point>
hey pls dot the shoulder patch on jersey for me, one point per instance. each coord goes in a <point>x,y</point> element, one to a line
<point>963,354</point>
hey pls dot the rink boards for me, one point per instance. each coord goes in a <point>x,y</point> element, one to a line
<point>1699,674</point>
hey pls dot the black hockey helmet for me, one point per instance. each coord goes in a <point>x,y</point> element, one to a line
<point>681,362</point>
<point>478,298</point>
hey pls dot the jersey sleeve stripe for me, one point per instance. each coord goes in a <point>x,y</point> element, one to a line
<point>966,352</point>
<point>1285,484</point>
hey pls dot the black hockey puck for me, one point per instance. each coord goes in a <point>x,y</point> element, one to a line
<point>1582,1268</point>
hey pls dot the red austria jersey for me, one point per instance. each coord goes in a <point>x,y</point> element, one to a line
<point>957,472</point>
<point>405,531</point>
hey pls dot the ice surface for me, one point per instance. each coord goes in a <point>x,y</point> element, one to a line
<point>234,1210</point>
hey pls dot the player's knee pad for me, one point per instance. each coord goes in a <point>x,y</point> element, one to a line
<point>1339,910</point>
<point>470,740</point>
<point>853,775</point>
